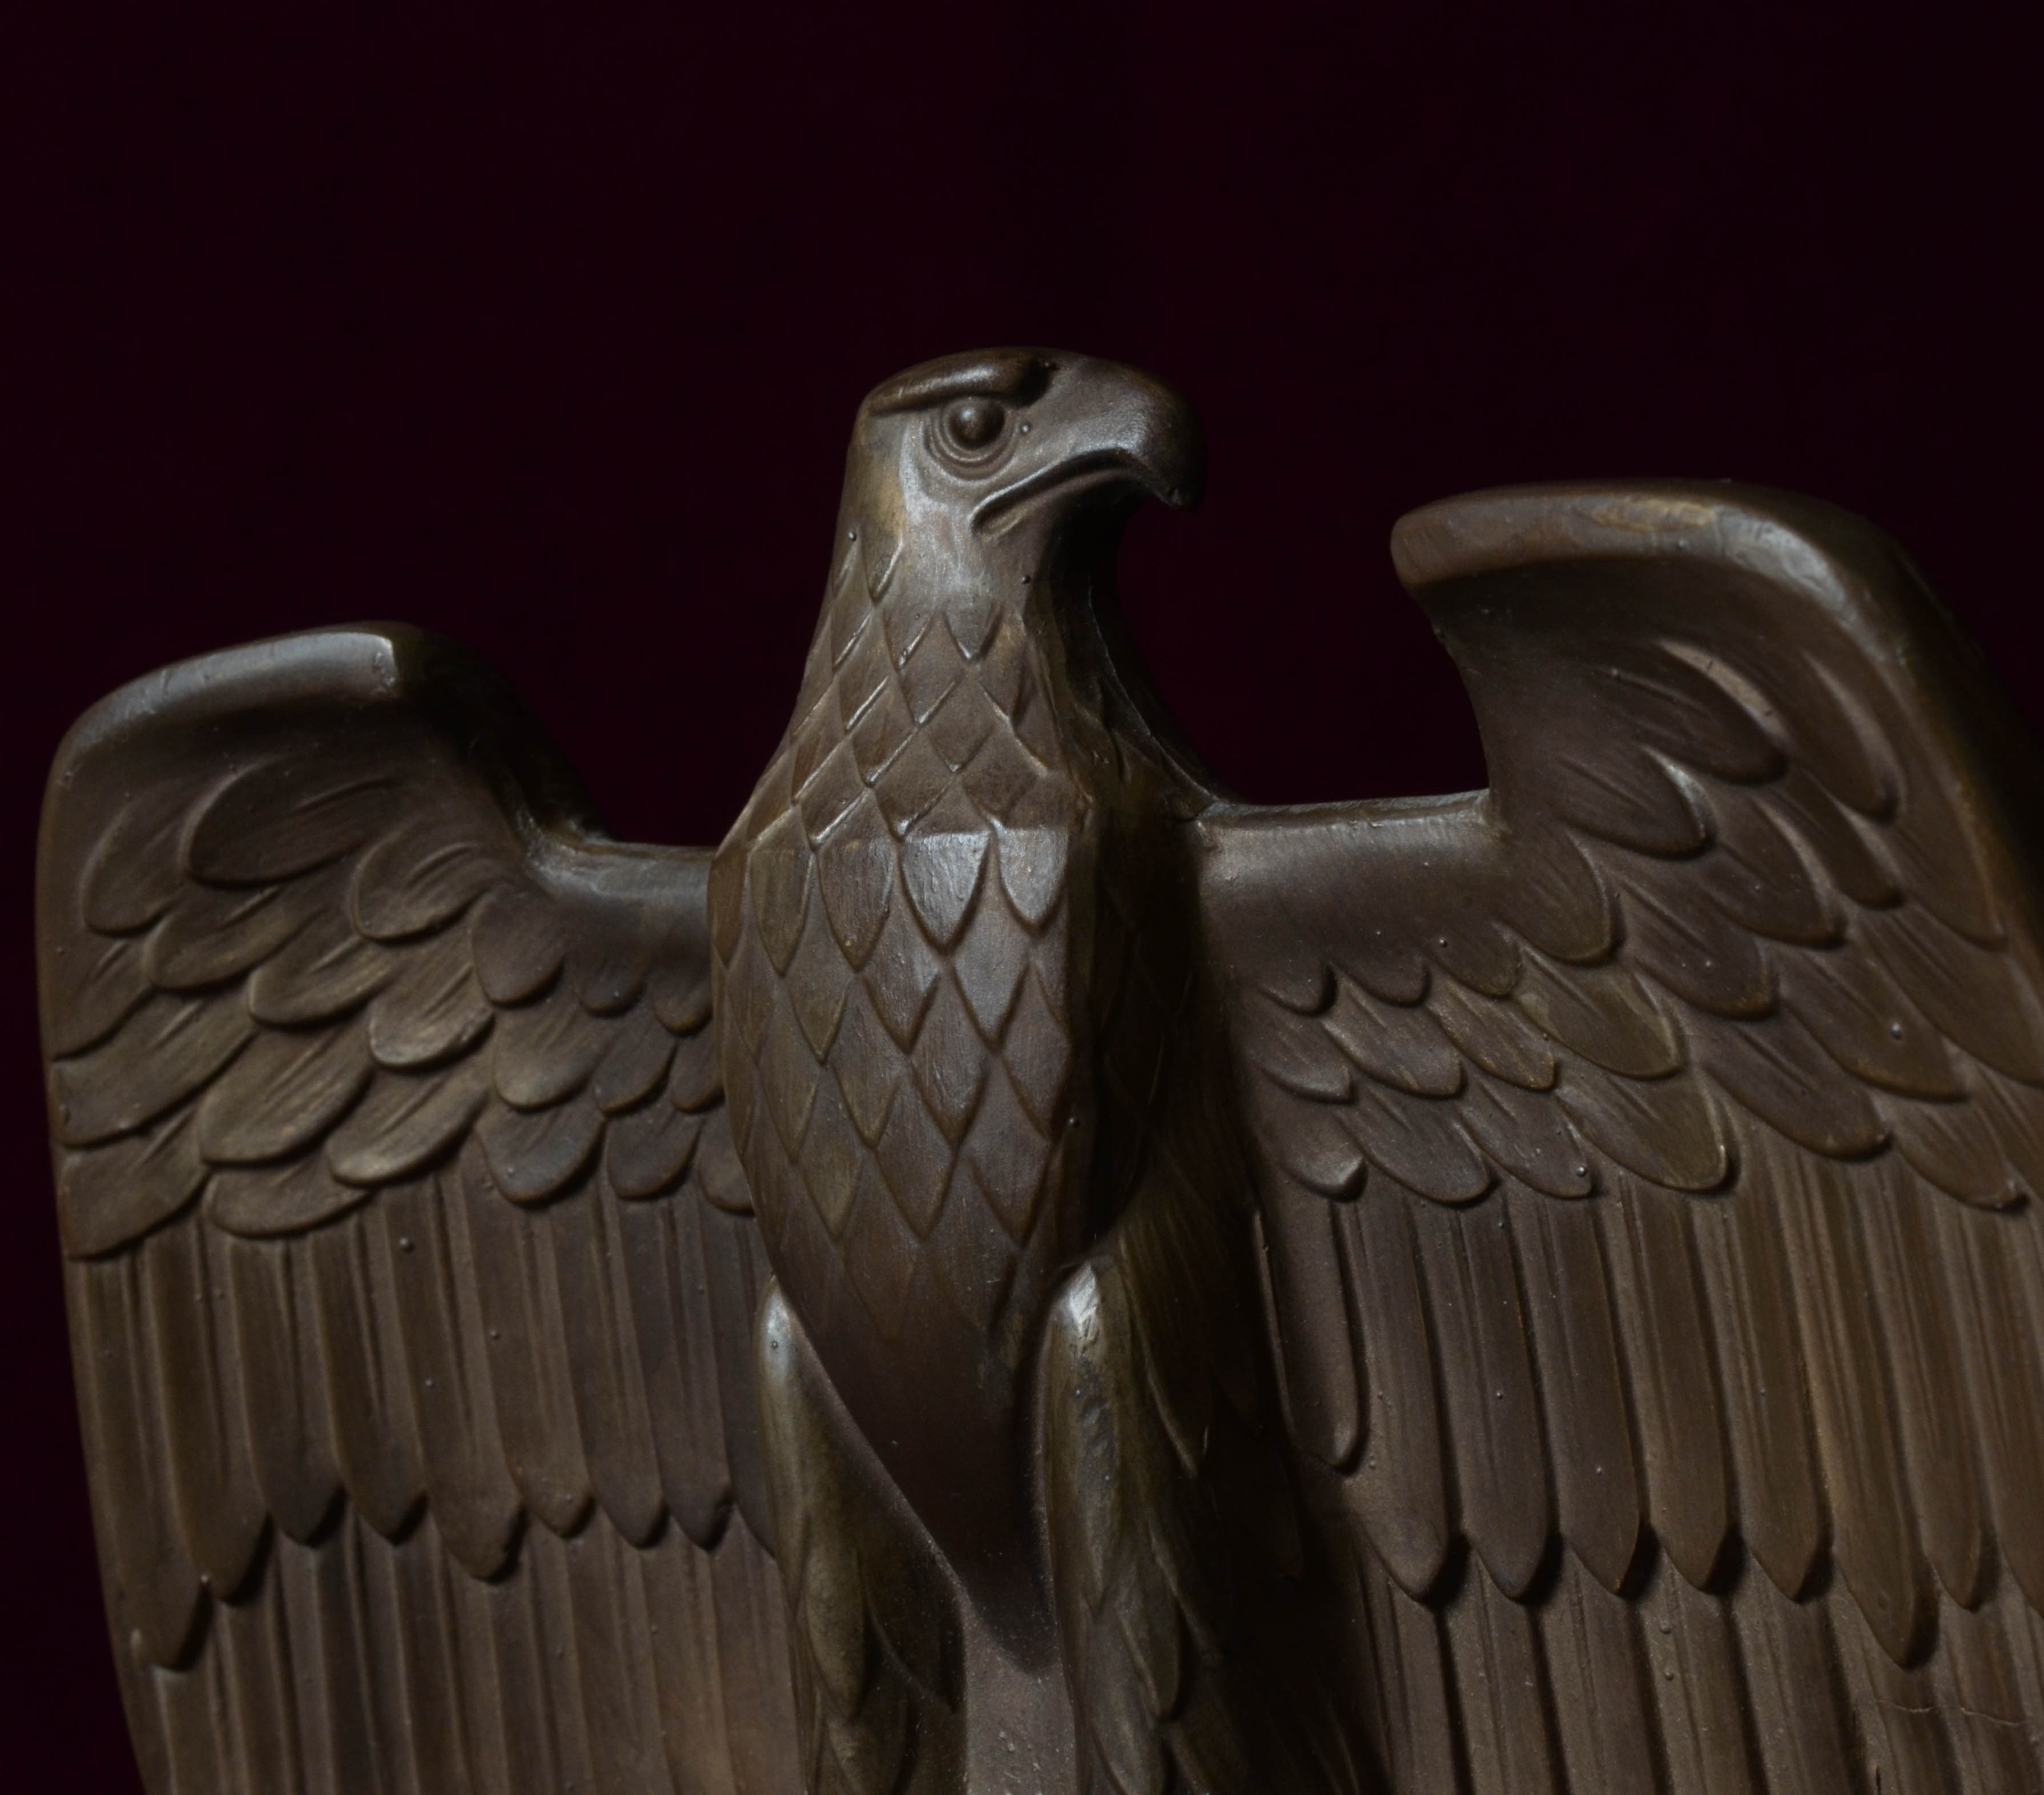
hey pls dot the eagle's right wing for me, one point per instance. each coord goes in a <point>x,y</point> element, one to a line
<point>410,1270</point>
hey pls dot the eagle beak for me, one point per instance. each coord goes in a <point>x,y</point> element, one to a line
<point>1102,426</point>
<point>1152,430</point>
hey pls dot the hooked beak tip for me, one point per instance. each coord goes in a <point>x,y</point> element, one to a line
<point>1170,455</point>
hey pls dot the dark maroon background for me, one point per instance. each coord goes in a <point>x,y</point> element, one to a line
<point>546,332</point>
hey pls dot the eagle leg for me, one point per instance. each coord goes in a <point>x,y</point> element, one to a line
<point>873,1620</point>
<point>1188,1653</point>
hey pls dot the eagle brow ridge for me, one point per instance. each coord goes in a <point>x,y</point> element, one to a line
<point>1003,374</point>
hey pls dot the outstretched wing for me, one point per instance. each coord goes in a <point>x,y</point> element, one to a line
<point>410,1270</point>
<point>1650,1152</point>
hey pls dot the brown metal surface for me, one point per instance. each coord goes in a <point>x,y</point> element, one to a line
<point>1022,1273</point>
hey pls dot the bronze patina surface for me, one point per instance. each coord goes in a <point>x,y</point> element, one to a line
<point>1019,1273</point>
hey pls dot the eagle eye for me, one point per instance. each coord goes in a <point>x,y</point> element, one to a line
<point>972,426</point>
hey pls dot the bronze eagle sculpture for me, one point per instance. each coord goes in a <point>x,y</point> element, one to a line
<point>1020,1273</point>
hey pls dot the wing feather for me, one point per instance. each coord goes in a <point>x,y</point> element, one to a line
<point>1747,1283</point>
<point>1697,953</point>
<point>526,1352</point>
<point>595,1323</point>
<point>1982,1684</point>
<point>1845,1345</point>
<point>1740,1324</point>
<point>393,1374</point>
<point>1700,1696</point>
<point>1582,1386</point>
<point>170,1048</point>
<point>283,1375</point>
<point>1322,1389</point>
<point>1411,1692</point>
<point>1401,1489</point>
<point>1786,1653</point>
<point>154,1591</point>
<point>369,1391</point>
<point>1929,1398</point>
<point>1771,1066</point>
<point>1505,1739</point>
<point>187,1304</point>
<point>1494,1431</point>
<point>664,1261</point>
<point>1664,1340</point>
<point>1603,1708</point>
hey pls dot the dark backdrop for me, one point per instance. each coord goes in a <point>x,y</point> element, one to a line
<point>546,331</point>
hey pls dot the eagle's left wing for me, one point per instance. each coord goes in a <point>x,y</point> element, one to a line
<point>1649,1153</point>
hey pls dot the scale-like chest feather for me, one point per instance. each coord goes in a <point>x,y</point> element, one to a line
<point>894,922</point>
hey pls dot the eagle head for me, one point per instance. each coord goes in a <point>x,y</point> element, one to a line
<point>976,475</point>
